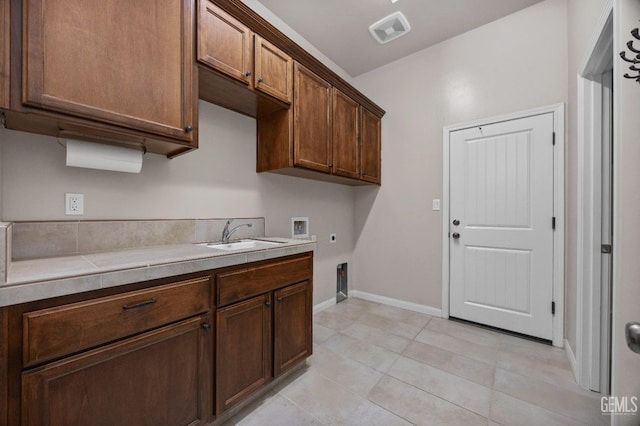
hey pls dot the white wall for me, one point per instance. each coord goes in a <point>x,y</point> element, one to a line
<point>513,64</point>
<point>626,285</point>
<point>217,180</point>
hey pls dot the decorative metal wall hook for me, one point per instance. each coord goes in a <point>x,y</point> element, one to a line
<point>633,60</point>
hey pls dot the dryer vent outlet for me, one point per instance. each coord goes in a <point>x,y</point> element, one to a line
<point>342,291</point>
<point>390,28</point>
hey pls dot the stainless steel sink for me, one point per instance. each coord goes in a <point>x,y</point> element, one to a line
<point>242,245</point>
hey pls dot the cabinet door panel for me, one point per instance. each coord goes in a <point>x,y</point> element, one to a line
<point>122,62</point>
<point>4,53</point>
<point>274,70</point>
<point>158,378</point>
<point>243,342</point>
<point>346,146</point>
<point>312,120</point>
<point>292,326</point>
<point>371,147</point>
<point>224,43</point>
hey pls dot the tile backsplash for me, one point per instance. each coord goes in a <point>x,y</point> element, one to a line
<point>48,239</point>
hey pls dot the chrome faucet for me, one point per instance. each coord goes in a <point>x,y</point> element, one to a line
<point>226,233</point>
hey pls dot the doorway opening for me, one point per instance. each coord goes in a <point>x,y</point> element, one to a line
<point>595,205</point>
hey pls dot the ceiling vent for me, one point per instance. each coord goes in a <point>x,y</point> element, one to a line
<point>390,28</point>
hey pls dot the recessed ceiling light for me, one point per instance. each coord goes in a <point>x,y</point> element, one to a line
<point>394,1</point>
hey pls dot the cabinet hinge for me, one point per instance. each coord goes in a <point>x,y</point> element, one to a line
<point>606,249</point>
<point>553,308</point>
<point>553,139</point>
<point>553,223</point>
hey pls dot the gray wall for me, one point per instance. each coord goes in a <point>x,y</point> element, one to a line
<point>513,64</point>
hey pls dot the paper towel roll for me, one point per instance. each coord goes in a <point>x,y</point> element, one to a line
<point>103,157</point>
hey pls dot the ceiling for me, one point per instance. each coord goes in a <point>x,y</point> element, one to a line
<point>340,28</point>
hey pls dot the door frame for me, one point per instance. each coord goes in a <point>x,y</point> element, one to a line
<point>558,208</point>
<point>589,200</point>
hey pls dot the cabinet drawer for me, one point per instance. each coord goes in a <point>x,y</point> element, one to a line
<point>243,283</point>
<point>54,332</point>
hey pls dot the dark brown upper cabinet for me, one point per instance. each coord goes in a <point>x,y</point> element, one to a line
<point>312,121</point>
<point>4,53</point>
<point>114,70</point>
<point>273,70</point>
<point>370,147</point>
<point>345,141</point>
<point>326,135</point>
<point>235,59</point>
<point>224,43</point>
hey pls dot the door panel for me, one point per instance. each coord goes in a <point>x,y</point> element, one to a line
<point>224,43</point>
<point>346,146</point>
<point>292,326</point>
<point>156,378</point>
<point>502,194</point>
<point>370,147</point>
<point>117,62</point>
<point>312,120</point>
<point>274,70</point>
<point>243,357</point>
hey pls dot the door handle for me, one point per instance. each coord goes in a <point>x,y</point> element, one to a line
<point>455,235</point>
<point>456,222</point>
<point>632,333</point>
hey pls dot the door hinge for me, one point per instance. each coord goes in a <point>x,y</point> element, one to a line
<point>553,308</point>
<point>553,139</point>
<point>553,223</point>
<point>606,249</point>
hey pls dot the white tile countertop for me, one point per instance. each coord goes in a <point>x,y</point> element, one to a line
<point>36,279</point>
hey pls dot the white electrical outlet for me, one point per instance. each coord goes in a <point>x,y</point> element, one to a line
<point>332,238</point>
<point>73,204</point>
<point>435,205</point>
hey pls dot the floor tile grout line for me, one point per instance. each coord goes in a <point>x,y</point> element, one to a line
<point>537,406</point>
<point>387,410</point>
<point>449,372</point>
<point>440,397</point>
<point>301,408</point>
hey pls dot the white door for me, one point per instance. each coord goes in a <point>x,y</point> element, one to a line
<point>501,216</point>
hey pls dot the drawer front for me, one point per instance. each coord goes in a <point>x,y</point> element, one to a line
<point>55,332</point>
<point>243,283</point>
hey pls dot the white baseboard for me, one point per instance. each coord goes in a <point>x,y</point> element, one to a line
<point>423,309</point>
<point>324,305</point>
<point>572,359</point>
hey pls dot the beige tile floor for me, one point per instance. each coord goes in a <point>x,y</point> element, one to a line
<point>379,365</point>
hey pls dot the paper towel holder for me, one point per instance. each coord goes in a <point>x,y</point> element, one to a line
<point>103,155</point>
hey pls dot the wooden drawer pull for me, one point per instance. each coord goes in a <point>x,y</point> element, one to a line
<point>141,304</point>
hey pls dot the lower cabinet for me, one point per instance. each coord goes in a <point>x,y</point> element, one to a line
<point>292,338</point>
<point>259,337</point>
<point>243,342</point>
<point>174,351</point>
<point>157,378</point>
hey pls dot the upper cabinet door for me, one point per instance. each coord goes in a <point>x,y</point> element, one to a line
<point>4,53</point>
<point>273,70</point>
<point>370,148</point>
<point>224,43</point>
<point>346,147</point>
<point>123,62</point>
<point>312,120</point>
